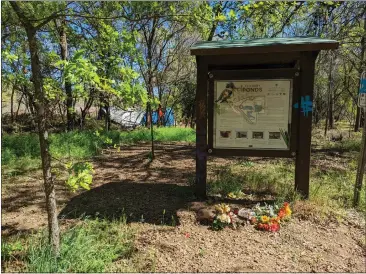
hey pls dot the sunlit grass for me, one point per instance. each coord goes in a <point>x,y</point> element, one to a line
<point>90,246</point>
<point>331,188</point>
<point>21,151</point>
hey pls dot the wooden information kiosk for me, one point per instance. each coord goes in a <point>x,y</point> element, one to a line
<point>254,98</point>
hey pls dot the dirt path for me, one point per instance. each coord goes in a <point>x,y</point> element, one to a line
<point>127,183</point>
<point>298,247</point>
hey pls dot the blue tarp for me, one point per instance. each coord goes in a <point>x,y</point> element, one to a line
<point>168,117</point>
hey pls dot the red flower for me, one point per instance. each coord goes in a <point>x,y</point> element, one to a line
<point>273,227</point>
<point>187,235</point>
<point>236,211</point>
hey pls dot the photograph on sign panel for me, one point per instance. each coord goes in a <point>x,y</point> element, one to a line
<point>274,135</point>
<point>241,134</point>
<point>258,111</point>
<point>258,135</point>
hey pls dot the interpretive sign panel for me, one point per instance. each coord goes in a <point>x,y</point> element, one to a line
<point>255,99</point>
<point>252,114</point>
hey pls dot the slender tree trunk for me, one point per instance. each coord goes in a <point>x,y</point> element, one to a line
<point>330,94</point>
<point>42,112</point>
<point>107,115</point>
<point>357,119</point>
<point>41,105</point>
<point>360,169</point>
<point>19,102</point>
<point>362,118</point>
<point>11,105</point>
<point>362,56</point>
<point>152,133</point>
<point>70,111</point>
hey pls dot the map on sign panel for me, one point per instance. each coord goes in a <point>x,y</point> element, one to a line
<point>252,114</point>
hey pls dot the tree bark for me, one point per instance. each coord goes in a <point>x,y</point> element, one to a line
<point>330,94</point>
<point>362,56</point>
<point>12,105</point>
<point>70,111</point>
<point>360,169</point>
<point>41,105</point>
<point>42,109</point>
<point>107,115</point>
<point>17,111</point>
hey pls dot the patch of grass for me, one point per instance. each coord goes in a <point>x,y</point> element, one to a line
<point>9,250</point>
<point>254,179</point>
<point>21,152</point>
<point>168,134</point>
<point>332,188</point>
<point>345,145</point>
<point>92,246</point>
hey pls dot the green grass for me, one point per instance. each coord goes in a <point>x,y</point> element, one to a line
<point>90,246</point>
<point>250,178</point>
<point>331,188</point>
<point>21,152</point>
<point>353,144</point>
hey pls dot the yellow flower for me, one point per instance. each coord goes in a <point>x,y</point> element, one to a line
<point>219,209</point>
<point>264,219</point>
<point>222,208</point>
<point>226,208</point>
<point>231,195</point>
<point>288,211</point>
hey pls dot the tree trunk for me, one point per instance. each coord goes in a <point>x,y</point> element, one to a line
<point>42,111</point>
<point>152,133</point>
<point>330,94</point>
<point>41,105</point>
<point>360,169</point>
<point>70,111</point>
<point>362,118</point>
<point>11,105</point>
<point>362,56</point>
<point>107,116</point>
<point>357,120</point>
<point>19,102</point>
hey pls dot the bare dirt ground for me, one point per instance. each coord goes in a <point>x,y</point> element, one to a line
<point>126,183</point>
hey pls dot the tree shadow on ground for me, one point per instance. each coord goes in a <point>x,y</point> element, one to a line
<point>157,203</point>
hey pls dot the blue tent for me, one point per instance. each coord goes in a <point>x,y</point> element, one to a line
<point>168,117</point>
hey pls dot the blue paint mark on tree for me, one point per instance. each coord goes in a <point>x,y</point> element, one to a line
<point>306,105</point>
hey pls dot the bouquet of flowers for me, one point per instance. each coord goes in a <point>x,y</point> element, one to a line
<point>268,218</point>
<point>224,217</point>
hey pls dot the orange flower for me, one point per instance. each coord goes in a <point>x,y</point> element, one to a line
<point>275,219</point>
<point>253,220</point>
<point>281,213</point>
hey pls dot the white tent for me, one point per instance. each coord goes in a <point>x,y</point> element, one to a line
<point>126,118</point>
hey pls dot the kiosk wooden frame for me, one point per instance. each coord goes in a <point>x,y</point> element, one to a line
<point>275,58</point>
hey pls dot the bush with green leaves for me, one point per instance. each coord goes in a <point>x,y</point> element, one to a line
<point>80,175</point>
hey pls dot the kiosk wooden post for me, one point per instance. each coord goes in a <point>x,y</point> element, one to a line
<point>260,65</point>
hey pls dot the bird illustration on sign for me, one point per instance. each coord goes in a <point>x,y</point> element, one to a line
<point>226,93</point>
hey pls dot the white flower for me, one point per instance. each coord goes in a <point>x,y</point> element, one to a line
<point>224,218</point>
